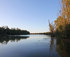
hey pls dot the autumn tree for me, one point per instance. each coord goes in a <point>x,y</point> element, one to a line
<point>66,10</point>
<point>62,23</point>
<point>51,27</point>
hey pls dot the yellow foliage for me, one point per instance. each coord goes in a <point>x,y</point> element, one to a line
<point>65,15</point>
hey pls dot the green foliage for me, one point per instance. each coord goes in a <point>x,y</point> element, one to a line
<point>64,31</point>
<point>67,30</point>
<point>7,31</point>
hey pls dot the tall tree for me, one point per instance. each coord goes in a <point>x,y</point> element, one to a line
<point>66,10</point>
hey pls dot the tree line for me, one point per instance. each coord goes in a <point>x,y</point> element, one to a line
<point>5,30</point>
<point>61,26</point>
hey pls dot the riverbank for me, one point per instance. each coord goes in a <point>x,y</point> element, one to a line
<point>46,33</point>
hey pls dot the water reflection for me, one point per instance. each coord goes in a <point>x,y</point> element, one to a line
<point>63,47</point>
<point>51,43</point>
<point>33,46</point>
<point>6,39</point>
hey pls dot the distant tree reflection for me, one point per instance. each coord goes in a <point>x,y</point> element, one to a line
<point>6,39</point>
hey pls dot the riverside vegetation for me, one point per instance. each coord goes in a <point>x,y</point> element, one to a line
<point>61,26</point>
<point>13,31</point>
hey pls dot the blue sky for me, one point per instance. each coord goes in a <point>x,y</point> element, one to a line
<point>31,15</point>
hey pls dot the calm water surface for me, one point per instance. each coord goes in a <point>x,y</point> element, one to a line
<point>28,46</point>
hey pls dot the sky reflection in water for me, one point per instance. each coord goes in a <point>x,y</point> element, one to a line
<point>32,46</point>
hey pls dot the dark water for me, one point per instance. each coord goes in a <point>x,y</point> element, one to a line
<point>31,46</point>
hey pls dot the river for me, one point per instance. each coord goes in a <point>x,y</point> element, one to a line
<point>29,46</point>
